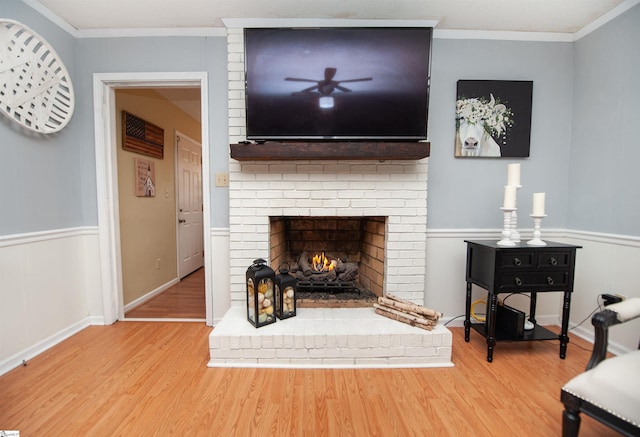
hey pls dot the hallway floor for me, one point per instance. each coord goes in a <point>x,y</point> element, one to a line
<point>185,300</point>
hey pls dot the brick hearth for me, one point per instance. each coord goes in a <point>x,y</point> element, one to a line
<point>327,338</point>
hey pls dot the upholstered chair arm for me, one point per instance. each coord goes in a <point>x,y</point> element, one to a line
<point>613,314</point>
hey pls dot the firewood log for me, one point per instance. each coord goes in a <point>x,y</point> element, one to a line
<point>341,266</point>
<point>303,263</point>
<point>324,276</point>
<point>350,273</point>
<point>405,305</point>
<point>404,318</point>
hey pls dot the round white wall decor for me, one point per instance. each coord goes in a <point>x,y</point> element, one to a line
<point>35,87</point>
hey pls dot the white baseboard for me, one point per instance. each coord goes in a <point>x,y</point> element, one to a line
<point>22,357</point>
<point>150,295</point>
<point>586,333</point>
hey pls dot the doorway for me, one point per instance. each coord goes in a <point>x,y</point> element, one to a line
<point>107,183</point>
<point>161,234</point>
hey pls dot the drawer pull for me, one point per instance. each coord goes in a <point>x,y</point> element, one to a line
<point>553,261</point>
<point>517,261</point>
<point>549,280</point>
<point>517,281</point>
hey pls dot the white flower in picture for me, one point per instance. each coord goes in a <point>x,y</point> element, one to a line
<point>479,122</point>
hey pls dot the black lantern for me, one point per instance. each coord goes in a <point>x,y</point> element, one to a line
<point>260,294</point>
<point>285,293</point>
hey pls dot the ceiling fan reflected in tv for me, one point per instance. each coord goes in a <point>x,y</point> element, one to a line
<point>325,87</point>
<point>387,71</point>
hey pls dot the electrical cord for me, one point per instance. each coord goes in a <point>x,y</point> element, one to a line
<point>504,299</point>
<point>451,320</point>
<point>473,313</point>
<point>597,308</point>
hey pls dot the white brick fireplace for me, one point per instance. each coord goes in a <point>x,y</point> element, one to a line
<point>396,190</point>
<point>258,190</point>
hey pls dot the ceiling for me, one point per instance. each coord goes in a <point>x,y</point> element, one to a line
<point>186,99</point>
<point>555,16</point>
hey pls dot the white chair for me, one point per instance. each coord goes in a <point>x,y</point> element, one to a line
<point>609,390</point>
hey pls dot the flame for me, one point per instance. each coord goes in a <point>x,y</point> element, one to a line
<point>321,263</point>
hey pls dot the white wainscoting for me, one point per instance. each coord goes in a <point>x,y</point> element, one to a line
<point>50,285</point>
<point>605,264</point>
<point>220,295</point>
<point>49,290</point>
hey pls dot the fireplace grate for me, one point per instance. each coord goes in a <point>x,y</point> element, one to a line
<point>328,286</point>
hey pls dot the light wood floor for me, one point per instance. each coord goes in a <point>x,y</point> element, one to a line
<point>143,379</point>
<point>185,300</point>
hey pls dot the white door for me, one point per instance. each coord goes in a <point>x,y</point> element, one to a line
<point>190,227</point>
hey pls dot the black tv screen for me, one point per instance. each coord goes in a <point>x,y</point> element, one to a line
<point>337,83</point>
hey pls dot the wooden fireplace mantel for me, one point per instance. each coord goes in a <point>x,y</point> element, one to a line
<point>342,150</point>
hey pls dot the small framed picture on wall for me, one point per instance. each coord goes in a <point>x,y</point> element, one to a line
<point>493,118</point>
<point>145,177</point>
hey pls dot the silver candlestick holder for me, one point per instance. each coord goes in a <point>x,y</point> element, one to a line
<point>537,221</point>
<point>506,230</point>
<point>515,235</point>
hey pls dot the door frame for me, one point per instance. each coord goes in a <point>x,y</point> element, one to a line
<point>104,109</point>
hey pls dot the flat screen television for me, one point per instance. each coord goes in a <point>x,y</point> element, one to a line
<point>337,83</point>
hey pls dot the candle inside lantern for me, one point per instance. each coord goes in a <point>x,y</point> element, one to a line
<point>509,197</point>
<point>513,174</point>
<point>538,204</point>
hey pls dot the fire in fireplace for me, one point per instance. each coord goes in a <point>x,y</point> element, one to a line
<point>325,273</point>
<point>322,264</point>
<point>332,257</point>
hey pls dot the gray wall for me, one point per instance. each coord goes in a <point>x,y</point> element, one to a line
<point>41,176</point>
<point>581,142</point>
<point>605,144</point>
<point>160,54</point>
<point>468,192</point>
<point>49,181</point>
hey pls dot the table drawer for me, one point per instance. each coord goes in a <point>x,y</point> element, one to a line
<point>554,259</point>
<point>517,260</point>
<point>539,280</point>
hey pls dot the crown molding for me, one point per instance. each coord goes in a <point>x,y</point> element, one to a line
<point>503,35</point>
<point>604,19</point>
<point>314,22</point>
<point>152,32</point>
<point>323,22</point>
<point>52,16</point>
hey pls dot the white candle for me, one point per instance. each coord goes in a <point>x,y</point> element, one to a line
<point>509,197</point>
<point>513,174</point>
<point>538,204</point>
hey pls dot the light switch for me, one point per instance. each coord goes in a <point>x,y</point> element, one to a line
<point>222,179</point>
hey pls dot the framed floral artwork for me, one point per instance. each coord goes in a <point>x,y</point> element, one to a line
<point>493,118</point>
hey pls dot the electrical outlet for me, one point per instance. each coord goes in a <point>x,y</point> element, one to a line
<point>158,264</point>
<point>610,299</point>
<point>222,179</point>
<point>621,296</point>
